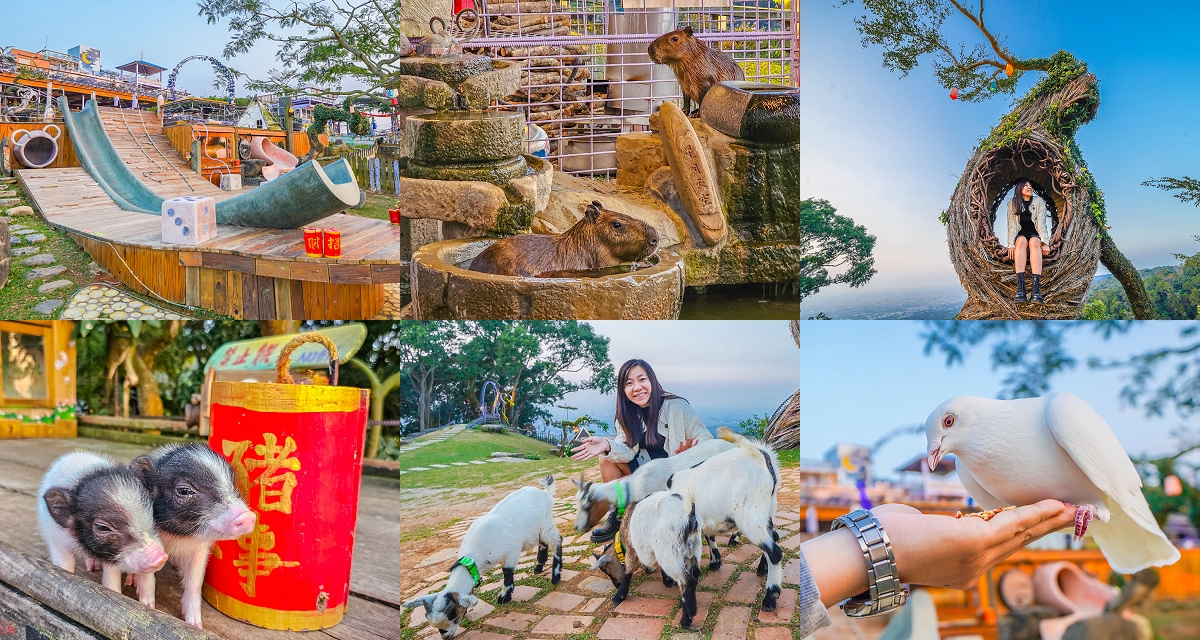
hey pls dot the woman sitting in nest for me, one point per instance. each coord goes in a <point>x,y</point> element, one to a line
<point>1026,229</point>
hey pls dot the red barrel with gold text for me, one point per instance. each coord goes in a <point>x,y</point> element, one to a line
<point>296,452</point>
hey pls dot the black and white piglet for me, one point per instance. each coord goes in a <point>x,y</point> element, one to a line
<point>88,504</point>
<point>196,503</point>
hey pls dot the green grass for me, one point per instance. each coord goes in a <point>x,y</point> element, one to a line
<point>789,457</point>
<point>476,445</point>
<point>18,297</point>
<point>377,206</point>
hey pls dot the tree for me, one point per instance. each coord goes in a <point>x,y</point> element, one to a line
<point>911,29</point>
<point>830,241</point>
<point>423,351</point>
<point>321,43</point>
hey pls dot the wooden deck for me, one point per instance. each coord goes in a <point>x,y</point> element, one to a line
<point>373,612</point>
<point>244,272</point>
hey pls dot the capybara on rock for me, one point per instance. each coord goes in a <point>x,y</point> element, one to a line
<point>697,66</point>
<point>601,239</point>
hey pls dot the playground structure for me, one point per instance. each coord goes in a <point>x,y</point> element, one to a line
<point>489,413</point>
<point>37,148</point>
<point>279,160</point>
<point>217,66</point>
<point>246,271</point>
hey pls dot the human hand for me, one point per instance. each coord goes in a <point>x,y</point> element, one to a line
<point>1012,253</point>
<point>687,443</point>
<point>929,549</point>
<point>953,552</point>
<point>591,447</point>
<point>1045,249</point>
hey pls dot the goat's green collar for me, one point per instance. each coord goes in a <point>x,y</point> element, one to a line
<point>470,565</point>
<point>622,498</point>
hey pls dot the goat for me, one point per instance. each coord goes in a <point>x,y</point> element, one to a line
<point>657,533</point>
<point>595,499</point>
<point>738,489</point>
<point>524,519</point>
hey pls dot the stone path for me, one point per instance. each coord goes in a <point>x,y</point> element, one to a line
<point>444,434</point>
<point>581,604</point>
<point>99,301</point>
<point>391,305</point>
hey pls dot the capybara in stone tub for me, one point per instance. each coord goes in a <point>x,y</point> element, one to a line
<point>601,239</point>
<point>697,66</point>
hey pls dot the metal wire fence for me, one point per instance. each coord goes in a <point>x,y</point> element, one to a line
<point>587,77</point>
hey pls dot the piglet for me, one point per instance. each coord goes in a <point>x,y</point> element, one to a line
<point>196,503</point>
<point>88,504</point>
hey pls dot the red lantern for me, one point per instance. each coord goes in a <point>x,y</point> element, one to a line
<point>1172,486</point>
<point>296,451</point>
<point>1008,69</point>
<point>312,242</point>
<point>333,243</point>
<point>954,93</point>
<point>394,215</point>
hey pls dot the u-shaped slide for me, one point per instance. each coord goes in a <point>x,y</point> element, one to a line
<point>280,160</point>
<point>295,199</point>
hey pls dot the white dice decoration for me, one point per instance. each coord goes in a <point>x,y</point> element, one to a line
<point>231,182</point>
<point>190,220</point>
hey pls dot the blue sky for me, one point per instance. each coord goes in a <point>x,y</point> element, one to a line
<point>727,370</point>
<point>862,378</point>
<point>166,32</point>
<point>887,151</point>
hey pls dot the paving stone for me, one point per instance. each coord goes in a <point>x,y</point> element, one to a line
<point>437,576</point>
<point>42,273</point>
<point>480,610</point>
<point>524,593</point>
<point>15,240</point>
<point>24,232</point>
<point>639,606</point>
<point>741,554</point>
<point>785,608</point>
<point>57,284</point>
<point>25,250</point>
<point>654,587</point>
<point>561,600</point>
<point>512,621</point>
<point>477,462</point>
<point>716,579</point>
<point>489,586</point>
<point>562,625</point>
<point>792,543</point>
<point>480,634</point>
<point>459,464</point>
<point>48,306</point>
<point>704,600</point>
<point>21,211</point>
<point>745,589</point>
<point>418,468</point>
<point>631,629</point>
<point>772,633</point>
<point>791,571</point>
<point>686,636</point>
<point>40,260</point>
<point>598,585</point>
<point>567,575</point>
<point>37,237</point>
<point>9,202</point>
<point>731,623</point>
<point>592,605</point>
<point>440,466</point>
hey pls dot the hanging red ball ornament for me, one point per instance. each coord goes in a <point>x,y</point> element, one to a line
<point>1172,486</point>
<point>954,93</point>
<point>1008,69</point>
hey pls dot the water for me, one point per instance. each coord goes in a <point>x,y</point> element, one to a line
<point>912,304</point>
<point>739,302</point>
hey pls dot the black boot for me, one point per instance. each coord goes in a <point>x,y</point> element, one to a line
<point>608,530</point>
<point>1037,288</point>
<point>1021,288</point>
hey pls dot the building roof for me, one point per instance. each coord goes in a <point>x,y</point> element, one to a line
<point>141,67</point>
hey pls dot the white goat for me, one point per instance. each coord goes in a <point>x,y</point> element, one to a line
<point>659,532</point>
<point>738,489</point>
<point>595,499</point>
<point>523,520</point>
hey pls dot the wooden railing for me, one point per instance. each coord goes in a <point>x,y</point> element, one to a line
<point>374,174</point>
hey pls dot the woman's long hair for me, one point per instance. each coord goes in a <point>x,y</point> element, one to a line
<point>1018,199</point>
<point>633,420</point>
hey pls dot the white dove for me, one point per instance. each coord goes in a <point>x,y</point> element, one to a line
<point>1016,452</point>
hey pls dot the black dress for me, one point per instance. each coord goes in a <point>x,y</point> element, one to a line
<point>655,452</point>
<point>1028,228</point>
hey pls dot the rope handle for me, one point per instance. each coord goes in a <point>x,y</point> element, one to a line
<point>285,357</point>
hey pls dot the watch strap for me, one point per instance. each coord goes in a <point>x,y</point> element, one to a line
<point>884,592</point>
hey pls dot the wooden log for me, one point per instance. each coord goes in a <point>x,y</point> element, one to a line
<point>108,613</point>
<point>141,424</point>
<point>520,6</point>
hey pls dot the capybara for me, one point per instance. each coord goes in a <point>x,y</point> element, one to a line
<point>600,239</point>
<point>697,66</point>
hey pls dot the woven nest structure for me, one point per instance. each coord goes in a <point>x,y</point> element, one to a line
<point>1024,147</point>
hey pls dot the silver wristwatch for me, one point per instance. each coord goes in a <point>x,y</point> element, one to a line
<point>884,592</point>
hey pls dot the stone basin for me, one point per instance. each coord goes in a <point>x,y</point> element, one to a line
<point>441,290</point>
<point>754,111</point>
<point>451,69</point>
<point>448,137</point>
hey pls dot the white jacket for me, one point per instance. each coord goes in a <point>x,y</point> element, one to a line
<point>1037,208</point>
<point>677,421</point>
